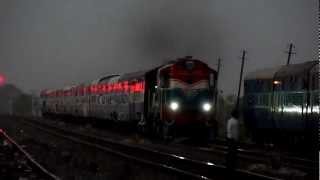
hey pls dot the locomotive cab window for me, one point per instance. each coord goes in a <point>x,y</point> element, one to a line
<point>164,81</point>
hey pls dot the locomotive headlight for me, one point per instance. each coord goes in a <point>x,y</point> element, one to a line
<point>174,105</point>
<point>206,107</point>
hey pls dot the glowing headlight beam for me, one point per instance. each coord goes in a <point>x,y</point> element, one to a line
<point>174,106</point>
<point>206,107</point>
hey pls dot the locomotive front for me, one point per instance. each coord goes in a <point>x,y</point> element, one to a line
<point>186,94</point>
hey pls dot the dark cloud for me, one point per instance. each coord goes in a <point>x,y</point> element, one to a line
<point>46,43</point>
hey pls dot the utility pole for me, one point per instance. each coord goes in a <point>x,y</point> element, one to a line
<point>10,107</point>
<point>218,70</point>
<point>216,87</point>
<point>290,53</point>
<point>240,81</point>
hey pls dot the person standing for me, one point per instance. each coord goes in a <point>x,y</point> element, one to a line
<point>232,139</point>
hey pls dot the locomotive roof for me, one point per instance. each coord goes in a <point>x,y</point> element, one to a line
<point>266,73</point>
<point>68,87</point>
<point>104,79</point>
<point>296,69</point>
<point>281,71</point>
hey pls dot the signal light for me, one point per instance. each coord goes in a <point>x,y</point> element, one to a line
<point>2,80</point>
<point>276,82</point>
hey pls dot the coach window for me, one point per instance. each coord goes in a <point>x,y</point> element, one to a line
<point>122,99</point>
<point>292,84</point>
<point>109,99</point>
<point>93,99</point>
<point>314,79</point>
<point>102,99</point>
<point>305,84</point>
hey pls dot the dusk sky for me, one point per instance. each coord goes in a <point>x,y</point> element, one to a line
<point>54,43</point>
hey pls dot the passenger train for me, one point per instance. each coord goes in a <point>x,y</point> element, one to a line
<point>169,100</point>
<point>282,103</point>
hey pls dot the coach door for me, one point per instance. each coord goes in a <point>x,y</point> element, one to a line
<point>150,96</point>
<point>276,102</point>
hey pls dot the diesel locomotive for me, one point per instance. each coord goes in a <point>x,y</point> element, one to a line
<point>169,100</point>
<point>282,103</point>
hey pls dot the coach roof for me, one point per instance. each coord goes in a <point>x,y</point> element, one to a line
<point>267,73</point>
<point>281,71</point>
<point>295,69</point>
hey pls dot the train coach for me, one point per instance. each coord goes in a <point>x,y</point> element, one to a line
<point>282,103</point>
<point>169,100</point>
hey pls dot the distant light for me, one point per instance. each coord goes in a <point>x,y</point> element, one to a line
<point>2,80</point>
<point>155,87</point>
<point>276,82</point>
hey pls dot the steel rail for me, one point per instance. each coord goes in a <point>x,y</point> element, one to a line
<point>35,165</point>
<point>187,167</point>
<point>294,162</point>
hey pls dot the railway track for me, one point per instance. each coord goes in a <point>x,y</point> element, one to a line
<point>262,155</point>
<point>16,163</point>
<point>169,162</point>
<point>250,159</point>
<point>259,148</point>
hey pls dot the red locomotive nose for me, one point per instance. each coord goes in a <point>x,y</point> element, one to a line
<point>188,117</point>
